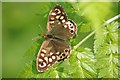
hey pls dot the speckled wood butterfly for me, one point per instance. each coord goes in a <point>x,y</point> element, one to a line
<point>55,47</point>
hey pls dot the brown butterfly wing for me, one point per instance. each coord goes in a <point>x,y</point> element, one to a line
<point>56,16</point>
<point>62,49</point>
<point>59,25</point>
<point>44,57</point>
<point>52,50</point>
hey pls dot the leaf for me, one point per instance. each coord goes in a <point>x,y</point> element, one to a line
<point>106,52</point>
<point>82,63</point>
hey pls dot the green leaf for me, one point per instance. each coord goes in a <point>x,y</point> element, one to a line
<point>84,60</point>
<point>106,52</point>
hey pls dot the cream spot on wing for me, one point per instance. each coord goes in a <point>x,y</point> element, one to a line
<point>53,57</point>
<point>58,11</point>
<point>40,60</point>
<point>48,65</point>
<point>51,53</point>
<point>59,23</point>
<point>53,13</point>
<point>52,18</point>
<point>57,52</point>
<point>57,17</point>
<point>65,26</point>
<point>61,17</point>
<point>44,64</point>
<point>51,22</point>
<point>43,50</point>
<point>68,22</point>
<point>63,21</point>
<point>42,54</point>
<point>50,59</point>
<point>46,59</point>
<point>58,58</point>
<point>63,13</point>
<point>70,26</point>
<point>39,70</point>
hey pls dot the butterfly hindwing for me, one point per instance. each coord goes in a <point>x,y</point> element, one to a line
<point>64,32</point>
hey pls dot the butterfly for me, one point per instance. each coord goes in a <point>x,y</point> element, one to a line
<point>55,48</point>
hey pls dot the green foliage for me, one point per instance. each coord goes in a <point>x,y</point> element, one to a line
<point>106,52</point>
<point>95,58</point>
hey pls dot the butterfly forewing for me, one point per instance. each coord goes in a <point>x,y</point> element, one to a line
<point>46,56</point>
<point>59,25</point>
<point>56,16</point>
<point>52,50</point>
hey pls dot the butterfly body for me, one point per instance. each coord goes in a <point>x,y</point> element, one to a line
<point>55,47</point>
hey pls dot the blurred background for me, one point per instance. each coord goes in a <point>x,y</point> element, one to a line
<point>21,20</point>
<point>20,25</point>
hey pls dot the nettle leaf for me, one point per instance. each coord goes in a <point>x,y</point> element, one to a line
<point>106,52</point>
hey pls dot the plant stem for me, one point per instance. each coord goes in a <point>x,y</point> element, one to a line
<point>111,20</point>
<point>106,23</point>
<point>75,47</point>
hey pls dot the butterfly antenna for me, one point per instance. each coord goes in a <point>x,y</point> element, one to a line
<point>41,30</point>
<point>39,35</point>
<point>36,37</point>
